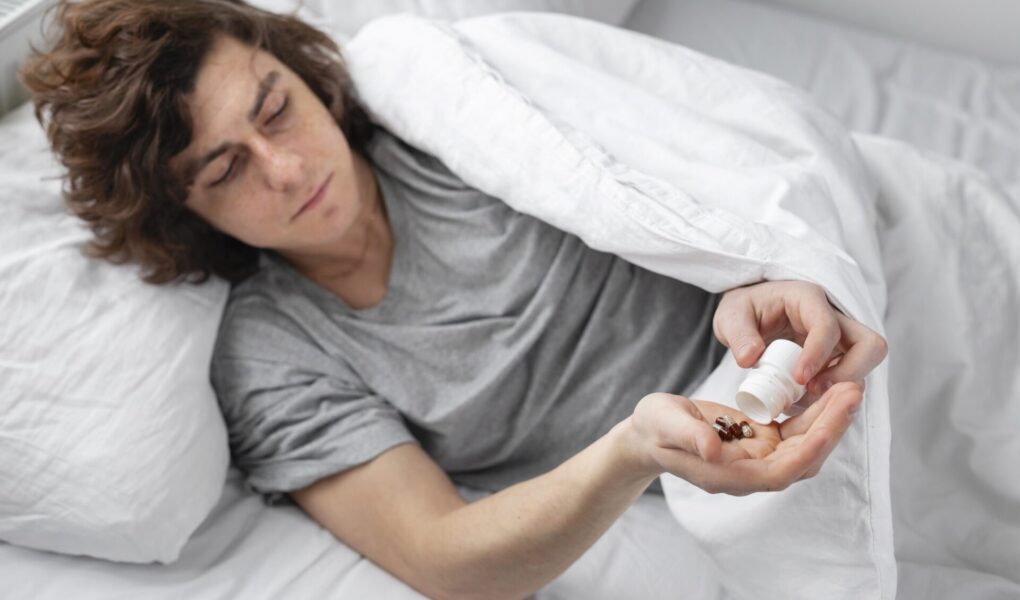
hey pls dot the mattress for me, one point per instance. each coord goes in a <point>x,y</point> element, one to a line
<point>954,105</point>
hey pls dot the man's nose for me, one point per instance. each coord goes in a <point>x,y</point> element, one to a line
<point>282,167</point>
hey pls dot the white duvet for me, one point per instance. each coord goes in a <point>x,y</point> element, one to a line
<point>721,177</point>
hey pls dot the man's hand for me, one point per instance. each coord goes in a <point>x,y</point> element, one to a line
<point>670,433</point>
<point>836,348</point>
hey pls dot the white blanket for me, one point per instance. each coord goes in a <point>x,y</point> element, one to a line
<point>721,177</point>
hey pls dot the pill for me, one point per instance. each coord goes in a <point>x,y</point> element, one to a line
<point>735,431</point>
<point>723,432</point>
<point>726,421</point>
<point>746,429</point>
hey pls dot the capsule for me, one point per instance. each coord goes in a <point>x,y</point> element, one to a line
<point>723,432</point>
<point>726,421</point>
<point>746,429</point>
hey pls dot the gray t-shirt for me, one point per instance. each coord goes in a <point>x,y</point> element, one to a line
<point>503,345</point>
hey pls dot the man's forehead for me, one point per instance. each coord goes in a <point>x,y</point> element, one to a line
<point>232,79</point>
<point>231,71</point>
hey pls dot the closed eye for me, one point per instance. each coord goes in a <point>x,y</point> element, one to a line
<point>233,162</point>
<point>226,176</point>
<point>279,112</point>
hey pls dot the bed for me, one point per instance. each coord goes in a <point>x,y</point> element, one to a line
<point>955,105</point>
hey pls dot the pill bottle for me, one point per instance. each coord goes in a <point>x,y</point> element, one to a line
<point>769,387</point>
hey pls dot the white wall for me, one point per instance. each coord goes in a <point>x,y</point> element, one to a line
<point>988,28</point>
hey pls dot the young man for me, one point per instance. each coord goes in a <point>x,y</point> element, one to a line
<point>391,330</point>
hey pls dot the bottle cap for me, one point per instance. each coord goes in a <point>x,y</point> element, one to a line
<point>769,387</point>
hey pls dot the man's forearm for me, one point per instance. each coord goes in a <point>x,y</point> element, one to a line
<point>512,543</point>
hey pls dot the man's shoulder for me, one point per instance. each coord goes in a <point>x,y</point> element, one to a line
<point>260,309</point>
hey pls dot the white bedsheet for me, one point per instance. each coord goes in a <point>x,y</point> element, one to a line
<point>249,551</point>
<point>246,550</point>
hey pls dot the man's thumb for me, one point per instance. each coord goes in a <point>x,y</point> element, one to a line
<point>690,432</point>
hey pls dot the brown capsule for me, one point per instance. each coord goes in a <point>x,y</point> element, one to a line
<point>723,432</point>
<point>746,429</point>
<point>726,421</point>
<point>735,431</point>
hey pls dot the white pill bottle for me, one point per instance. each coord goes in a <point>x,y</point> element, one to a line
<point>769,387</point>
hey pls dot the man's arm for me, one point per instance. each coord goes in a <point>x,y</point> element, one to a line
<point>402,512</point>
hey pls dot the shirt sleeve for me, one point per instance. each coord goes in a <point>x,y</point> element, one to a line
<point>293,414</point>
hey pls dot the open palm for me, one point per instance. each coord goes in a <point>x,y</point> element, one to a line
<point>769,442</point>
<point>682,441</point>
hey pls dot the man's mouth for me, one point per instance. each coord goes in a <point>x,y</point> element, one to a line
<point>316,199</point>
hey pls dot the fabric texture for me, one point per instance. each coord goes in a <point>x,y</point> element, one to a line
<point>503,345</point>
<point>110,441</point>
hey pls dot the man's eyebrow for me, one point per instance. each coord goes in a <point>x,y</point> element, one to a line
<point>195,166</point>
<point>265,86</point>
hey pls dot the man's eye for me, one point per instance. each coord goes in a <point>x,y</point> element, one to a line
<point>225,176</point>
<point>279,111</point>
<point>233,162</point>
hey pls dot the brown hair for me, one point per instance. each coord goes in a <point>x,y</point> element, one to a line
<point>110,93</point>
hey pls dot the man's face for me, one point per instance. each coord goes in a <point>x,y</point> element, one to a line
<point>268,164</point>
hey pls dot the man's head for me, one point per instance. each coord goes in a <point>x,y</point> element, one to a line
<point>141,99</point>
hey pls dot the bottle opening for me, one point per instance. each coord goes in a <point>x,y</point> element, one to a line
<point>750,405</point>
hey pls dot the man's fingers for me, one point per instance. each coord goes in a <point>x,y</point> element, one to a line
<point>836,417</point>
<point>736,325</point>
<point>803,456</point>
<point>866,350</point>
<point>799,424</point>
<point>823,333</point>
<point>776,472</point>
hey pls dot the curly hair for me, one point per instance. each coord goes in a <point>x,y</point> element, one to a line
<point>111,94</point>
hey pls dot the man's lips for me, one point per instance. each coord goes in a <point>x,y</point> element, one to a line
<point>316,199</point>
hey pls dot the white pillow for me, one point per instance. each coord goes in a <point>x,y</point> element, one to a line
<point>111,440</point>
<point>344,19</point>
